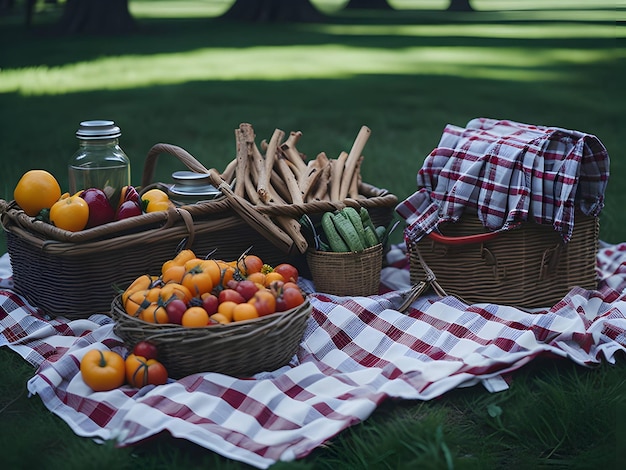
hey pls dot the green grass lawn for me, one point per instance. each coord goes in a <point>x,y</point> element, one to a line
<point>190,79</point>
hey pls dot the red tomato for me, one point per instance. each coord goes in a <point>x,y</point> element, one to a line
<point>264,302</point>
<point>288,271</point>
<point>146,349</point>
<point>247,289</point>
<point>210,303</point>
<point>175,309</point>
<point>141,371</point>
<point>232,295</point>
<point>292,297</point>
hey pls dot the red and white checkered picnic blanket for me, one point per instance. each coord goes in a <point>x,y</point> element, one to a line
<point>356,353</point>
<point>508,172</point>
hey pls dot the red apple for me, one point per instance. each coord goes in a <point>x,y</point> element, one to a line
<point>100,209</point>
<point>128,209</point>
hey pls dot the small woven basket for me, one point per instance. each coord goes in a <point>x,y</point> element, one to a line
<point>75,274</point>
<point>347,274</point>
<point>239,349</point>
<point>528,267</point>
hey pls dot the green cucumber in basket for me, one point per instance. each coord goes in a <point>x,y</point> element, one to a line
<point>347,232</point>
<point>355,219</point>
<point>332,235</point>
<point>370,236</point>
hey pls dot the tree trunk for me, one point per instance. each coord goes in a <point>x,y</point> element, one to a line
<point>274,11</point>
<point>369,5</point>
<point>106,17</point>
<point>460,5</point>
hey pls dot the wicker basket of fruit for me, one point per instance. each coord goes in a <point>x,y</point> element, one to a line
<point>264,192</point>
<point>207,315</point>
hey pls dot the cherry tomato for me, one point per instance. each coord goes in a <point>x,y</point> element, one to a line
<point>141,371</point>
<point>288,271</point>
<point>102,370</point>
<point>264,301</point>
<point>293,297</point>
<point>232,295</point>
<point>146,349</point>
<point>175,310</point>
<point>246,288</point>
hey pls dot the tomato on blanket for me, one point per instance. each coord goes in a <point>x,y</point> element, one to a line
<point>141,371</point>
<point>103,370</point>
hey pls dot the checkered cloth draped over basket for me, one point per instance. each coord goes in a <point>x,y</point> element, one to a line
<point>508,172</point>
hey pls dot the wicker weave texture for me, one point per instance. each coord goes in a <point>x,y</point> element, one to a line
<point>353,273</point>
<point>239,349</point>
<point>529,267</point>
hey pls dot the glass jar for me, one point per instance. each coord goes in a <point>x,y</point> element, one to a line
<point>99,161</point>
<point>190,187</point>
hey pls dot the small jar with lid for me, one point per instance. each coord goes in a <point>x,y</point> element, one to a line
<point>190,187</point>
<point>99,161</point>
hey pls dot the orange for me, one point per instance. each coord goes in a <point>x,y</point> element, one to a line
<point>257,278</point>
<point>273,276</point>
<point>244,311</point>
<point>36,190</point>
<point>226,308</point>
<point>220,318</point>
<point>195,317</point>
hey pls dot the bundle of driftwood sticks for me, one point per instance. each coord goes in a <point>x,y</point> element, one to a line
<point>276,172</point>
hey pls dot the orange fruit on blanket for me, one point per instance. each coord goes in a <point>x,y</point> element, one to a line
<point>36,190</point>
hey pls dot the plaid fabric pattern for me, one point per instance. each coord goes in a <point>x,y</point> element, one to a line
<point>355,353</point>
<point>508,172</point>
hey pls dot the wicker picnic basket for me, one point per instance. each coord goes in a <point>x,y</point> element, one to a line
<point>507,213</point>
<point>239,349</point>
<point>346,274</point>
<point>76,274</point>
<point>528,267</point>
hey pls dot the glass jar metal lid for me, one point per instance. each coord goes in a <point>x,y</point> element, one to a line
<point>98,129</point>
<point>190,186</point>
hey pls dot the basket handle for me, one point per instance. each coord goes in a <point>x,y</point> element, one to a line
<point>463,240</point>
<point>153,155</point>
<point>260,222</point>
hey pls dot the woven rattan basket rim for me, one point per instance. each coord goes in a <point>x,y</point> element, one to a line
<point>12,216</point>
<point>184,335</point>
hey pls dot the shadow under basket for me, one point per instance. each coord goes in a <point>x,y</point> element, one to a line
<point>239,349</point>
<point>528,267</point>
<point>346,274</point>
